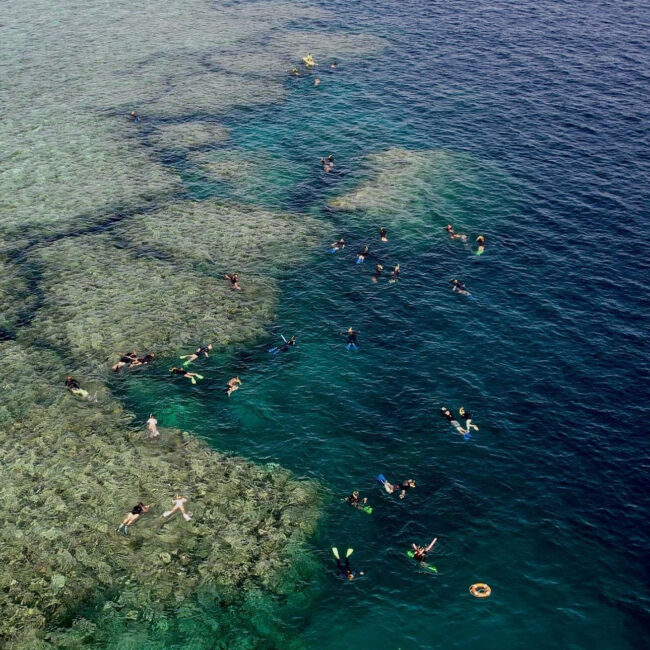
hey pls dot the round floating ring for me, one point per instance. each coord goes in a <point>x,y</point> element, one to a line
<point>480,590</point>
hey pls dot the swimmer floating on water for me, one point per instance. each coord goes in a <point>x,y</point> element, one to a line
<point>448,415</point>
<point>382,234</point>
<point>459,287</point>
<point>126,359</point>
<point>480,240</point>
<point>394,276</point>
<point>179,505</point>
<point>357,502</point>
<point>186,373</point>
<point>234,280</point>
<point>328,163</point>
<point>467,416</point>
<point>377,274</point>
<point>232,385</point>
<point>419,554</point>
<point>449,228</point>
<point>352,339</point>
<point>143,361</point>
<point>285,347</point>
<point>73,386</point>
<point>203,350</point>
<point>337,245</point>
<point>362,254</point>
<point>344,571</point>
<point>398,487</point>
<point>132,517</point>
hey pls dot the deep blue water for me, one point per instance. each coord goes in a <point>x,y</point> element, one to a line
<point>548,501</point>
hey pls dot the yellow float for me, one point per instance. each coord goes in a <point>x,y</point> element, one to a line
<point>480,590</point>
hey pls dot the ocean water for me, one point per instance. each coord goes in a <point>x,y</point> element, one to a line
<point>529,125</point>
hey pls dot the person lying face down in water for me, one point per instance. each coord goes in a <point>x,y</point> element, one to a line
<point>399,487</point>
<point>382,234</point>
<point>73,386</point>
<point>328,163</point>
<point>126,359</point>
<point>232,385</point>
<point>234,280</point>
<point>192,376</point>
<point>343,570</point>
<point>152,427</point>
<point>355,500</point>
<point>337,245</point>
<point>377,274</point>
<point>420,553</point>
<point>459,287</point>
<point>143,361</point>
<point>179,505</point>
<point>132,517</point>
<point>362,254</point>
<point>467,416</point>
<point>352,338</point>
<point>203,350</point>
<point>449,416</point>
<point>453,235</point>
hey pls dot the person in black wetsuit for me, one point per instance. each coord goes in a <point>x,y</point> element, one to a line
<point>377,274</point>
<point>132,517</point>
<point>234,280</point>
<point>449,416</point>
<point>185,373</point>
<point>352,339</point>
<point>460,287</point>
<point>203,350</point>
<point>382,234</point>
<point>126,359</point>
<point>467,416</point>
<point>143,361</point>
<point>337,245</point>
<point>394,276</point>
<point>355,500</point>
<point>73,386</point>
<point>361,256</point>
<point>343,570</point>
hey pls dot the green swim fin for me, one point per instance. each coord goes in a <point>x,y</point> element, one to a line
<point>199,376</point>
<point>193,380</point>
<point>349,552</point>
<point>335,551</point>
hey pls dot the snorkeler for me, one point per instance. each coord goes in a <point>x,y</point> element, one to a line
<point>337,245</point>
<point>449,228</point>
<point>382,234</point>
<point>285,347</point>
<point>143,361</point>
<point>362,254</point>
<point>420,553</point>
<point>448,415</point>
<point>295,72</point>
<point>467,416</point>
<point>232,385</point>
<point>317,81</point>
<point>203,350</point>
<point>134,117</point>
<point>398,487</point>
<point>132,517</point>
<point>309,60</point>
<point>179,504</point>
<point>186,373</point>
<point>344,571</point>
<point>234,280</point>
<point>481,244</point>
<point>152,427</point>
<point>352,339</point>
<point>73,386</point>
<point>328,163</point>
<point>355,500</point>
<point>394,276</point>
<point>333,65</point>
<point>126,359</point>
<point>377,274</point>
<point>459,287</point>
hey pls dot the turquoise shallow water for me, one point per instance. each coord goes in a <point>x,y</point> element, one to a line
<point>541,112</point>
<point>548,501</point>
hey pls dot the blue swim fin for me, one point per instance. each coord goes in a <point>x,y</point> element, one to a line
<point>467,436</point>
<point>359,260</point>
<point>381,479</point>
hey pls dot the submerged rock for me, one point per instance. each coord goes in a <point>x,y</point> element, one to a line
<point>188,135</point>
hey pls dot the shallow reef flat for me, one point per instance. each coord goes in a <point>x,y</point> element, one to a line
<point>187,135</point>
<point>101,299</point>
<point>222,236</point>
<point>419,192</point>
<point>75,467</point>
<point>15,296</point>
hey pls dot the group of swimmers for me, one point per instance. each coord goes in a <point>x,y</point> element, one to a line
<point>178,505</point>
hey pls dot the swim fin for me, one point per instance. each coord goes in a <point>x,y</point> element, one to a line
<point>349,552</point>
<point>467,436</point>
<point>193,380</point>
<point>367,509</point>
<point>199,376</point>
<point>359,260</point>
<point>335,551</point>
<point>186,363</point>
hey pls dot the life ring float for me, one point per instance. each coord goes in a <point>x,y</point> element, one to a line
<point>480,590</point>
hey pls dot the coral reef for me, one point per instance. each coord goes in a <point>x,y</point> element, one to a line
<point>71,470</point>
<point>15,296</point>
<point>187,135</point>
<point>421,191</point>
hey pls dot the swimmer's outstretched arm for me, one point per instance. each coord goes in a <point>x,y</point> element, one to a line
<point>428,548</point>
